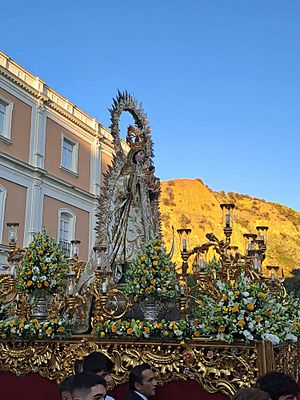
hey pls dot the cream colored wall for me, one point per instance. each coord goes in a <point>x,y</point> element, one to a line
<point>53,156</point>
<point>50,221</point>
<point>20,128</point>
<point>14,208</point>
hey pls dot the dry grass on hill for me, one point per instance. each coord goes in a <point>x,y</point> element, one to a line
<point>190,203</point>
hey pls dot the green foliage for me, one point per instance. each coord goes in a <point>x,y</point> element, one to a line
<point>151,275</point>
<point>43,266</point>
<point>214,264</point>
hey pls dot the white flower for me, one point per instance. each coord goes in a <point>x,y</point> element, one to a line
<point>220,285</point>
<point>246,294</point>
<point>248,335</point>
<point>178,332</point>
<point>291,337</point>
<point>274,339</point>
<point>48,259</point>
<point>35,269</point>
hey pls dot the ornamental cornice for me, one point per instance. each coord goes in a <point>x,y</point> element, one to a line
<point>19,82</point>
<point>47,100</point>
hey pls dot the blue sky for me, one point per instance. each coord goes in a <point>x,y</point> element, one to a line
<point>219,79</point>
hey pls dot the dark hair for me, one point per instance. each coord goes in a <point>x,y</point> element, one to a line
<point>277,384</point>
<point>135,153</point>
<point>65,385</point>
<point>86,380</point>
<point>136,375</point>
<point>78,366</point>
<point>96,362</point>
<point>251,394</point>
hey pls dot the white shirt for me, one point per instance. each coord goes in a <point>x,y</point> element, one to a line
<point>109,398</point>
<point>141,395</point>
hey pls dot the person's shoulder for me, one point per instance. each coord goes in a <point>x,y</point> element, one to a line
<point>133,396</point>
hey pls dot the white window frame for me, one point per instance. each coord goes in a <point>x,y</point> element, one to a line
<point>74,162</point>
<point>72,218</point>
<point>3,194</point>
<point>6,134</point>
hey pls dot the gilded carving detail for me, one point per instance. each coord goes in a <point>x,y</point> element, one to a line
<point>217,366</point>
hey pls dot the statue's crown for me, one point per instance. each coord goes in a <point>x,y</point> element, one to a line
<point>135,138</point>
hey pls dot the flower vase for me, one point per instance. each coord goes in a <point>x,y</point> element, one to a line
<point>40,305</point>
<point>150,310</point>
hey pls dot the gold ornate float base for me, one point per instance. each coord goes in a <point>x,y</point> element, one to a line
<point>216,366</point>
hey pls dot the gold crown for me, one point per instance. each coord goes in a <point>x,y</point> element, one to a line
<point>135,138</point>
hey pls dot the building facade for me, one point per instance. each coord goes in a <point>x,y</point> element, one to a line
<point>52,158</point>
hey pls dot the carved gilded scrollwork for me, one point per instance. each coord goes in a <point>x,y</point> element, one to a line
<point>217,366</point>
<point>286,357</point>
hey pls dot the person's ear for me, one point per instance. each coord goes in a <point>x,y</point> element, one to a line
<point>138,386</point>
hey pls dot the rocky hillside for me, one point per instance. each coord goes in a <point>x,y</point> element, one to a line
<point>190,203</point>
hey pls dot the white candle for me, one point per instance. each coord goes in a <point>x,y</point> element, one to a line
<point>202,264</point>
<point>104,287</point>
<point>227,219</point>
<point>272,276</point>
<point>70,289</point>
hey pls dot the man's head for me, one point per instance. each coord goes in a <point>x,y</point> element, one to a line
<point>88,386</point>
<point>99,364</point>
<point>142,380</point>
<point>251,394</point>
<point>65,388</point>
<point>278,385</point>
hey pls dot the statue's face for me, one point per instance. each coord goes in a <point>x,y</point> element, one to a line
<point>140,156</point>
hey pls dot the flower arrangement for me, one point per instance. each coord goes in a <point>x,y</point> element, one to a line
<point>164,330</point>
<point>249,310</point>
<point>43,266</point>
<point>151,275</point>
<point>21,329</point>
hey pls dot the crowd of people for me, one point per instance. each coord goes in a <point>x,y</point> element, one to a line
<point>92,380</point>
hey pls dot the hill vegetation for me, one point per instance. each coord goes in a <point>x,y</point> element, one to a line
<point>190,203</point>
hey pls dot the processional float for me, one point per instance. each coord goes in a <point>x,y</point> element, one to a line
<point>217,324</point>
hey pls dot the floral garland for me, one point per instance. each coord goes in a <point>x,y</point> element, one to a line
<point>151,275</point>
<point>34,329</point>
<point>43,266</point>
<point>164,330</point>
<point>249,310</point>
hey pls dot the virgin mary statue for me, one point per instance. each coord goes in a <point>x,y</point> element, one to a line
<point>128,213</point>
<point>132,215</point>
